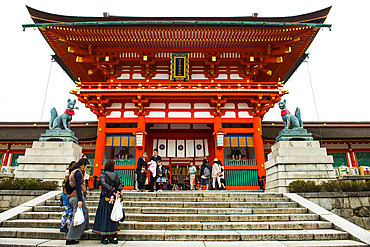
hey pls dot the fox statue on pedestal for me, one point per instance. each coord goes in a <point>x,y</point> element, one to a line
<point>290,121</point>
<point>64,120</point>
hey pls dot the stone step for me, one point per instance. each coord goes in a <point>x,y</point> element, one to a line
<point>173,210</point>
<point>188,235</point>
<point>187,203</point>
<point>137,210</point>
<point>51,223</point>
<point>182,194</point>
<point>206,204</point>
<point>220,217</point>
<point>197,199</point>
<point>217,226</point>
<point>14,242</point>
<point>209,226</point>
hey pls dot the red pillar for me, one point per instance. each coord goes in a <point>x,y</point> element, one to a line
<point>100,146</point>
<point>219,151</point>
<point>4,160</point>
<point>258,146</point>
<point>141,128</point>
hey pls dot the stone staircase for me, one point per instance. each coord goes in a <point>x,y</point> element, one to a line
<point>191,216</point>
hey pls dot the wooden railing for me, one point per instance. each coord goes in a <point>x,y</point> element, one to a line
<point>165,84</point>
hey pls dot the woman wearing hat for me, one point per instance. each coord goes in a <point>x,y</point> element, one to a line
<point>216,172</point>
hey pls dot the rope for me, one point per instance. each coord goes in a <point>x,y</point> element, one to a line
<point>46,91</point>
<point>314,100</point>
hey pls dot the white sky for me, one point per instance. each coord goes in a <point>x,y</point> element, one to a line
<point>338,59</point>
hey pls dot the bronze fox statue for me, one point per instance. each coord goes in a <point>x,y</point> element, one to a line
<point>64,120</point>
<point>290,121</point>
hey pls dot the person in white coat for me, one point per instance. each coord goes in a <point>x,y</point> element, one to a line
<point>216,171</point>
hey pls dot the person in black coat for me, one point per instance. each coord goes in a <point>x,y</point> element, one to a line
<point>205,177</point>
<point>141,178</point>
<point>140,163</point>
<point>156,158</point>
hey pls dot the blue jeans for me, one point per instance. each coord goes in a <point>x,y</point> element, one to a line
<point>68,212</point>
<point>166,184</point>
<point>204,179</point>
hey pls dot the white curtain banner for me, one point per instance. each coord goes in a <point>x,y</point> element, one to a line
<point>155,142</point>
<point>206,151</point>
<point>189,148</point>
<point>199,148</point>
<point>180,148</point>
<point>162,148</point>
<point>171,148</point>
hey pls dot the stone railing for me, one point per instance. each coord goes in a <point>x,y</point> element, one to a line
<point>14,198</point>
<point>353,206</point>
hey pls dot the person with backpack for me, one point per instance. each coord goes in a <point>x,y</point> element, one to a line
<point>68,210</point>
<point>205,171</point>
<point>112,185</point>
<point>76,191</point>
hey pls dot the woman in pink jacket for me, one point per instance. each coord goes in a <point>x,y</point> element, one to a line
<point>216,170</point>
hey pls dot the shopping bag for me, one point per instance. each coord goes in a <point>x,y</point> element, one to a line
<point>117,213</point>
<point>79,217</point>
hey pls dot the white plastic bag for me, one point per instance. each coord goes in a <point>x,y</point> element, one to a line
<point>117,211</point>
<point>79,217</point>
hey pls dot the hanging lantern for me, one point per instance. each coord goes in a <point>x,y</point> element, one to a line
<point>220,139</point>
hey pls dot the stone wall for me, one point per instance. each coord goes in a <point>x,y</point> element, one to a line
<point>14,198</point>
<point>353,206</point>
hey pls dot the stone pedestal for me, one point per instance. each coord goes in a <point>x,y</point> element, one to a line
<point>59,135</point>
<point>297,160</point>
<point>47,160</point>
<point>296,134</point>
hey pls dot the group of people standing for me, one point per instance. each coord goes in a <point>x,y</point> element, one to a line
<point>158,174</point>
<point>74,193</point>
<point>216,171</point>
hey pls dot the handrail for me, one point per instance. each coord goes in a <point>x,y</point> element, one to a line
<point>178,85</point>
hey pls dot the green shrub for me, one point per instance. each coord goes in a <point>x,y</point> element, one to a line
<point>304,186</point>
<point>27,184</point>
<point>331,186</point>
<point>328,186</point>
<point>347,186</point>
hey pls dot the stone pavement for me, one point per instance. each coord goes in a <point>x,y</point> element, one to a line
<point>204,218</point>
<point>55,243</point>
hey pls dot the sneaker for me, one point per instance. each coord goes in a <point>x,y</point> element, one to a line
<point>70,242</point>
<point>105,241</point>
<point>64,229</point>
<point>114,241</point>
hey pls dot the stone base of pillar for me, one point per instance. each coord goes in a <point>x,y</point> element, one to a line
<point>297,160</point>
<point>48,160</point>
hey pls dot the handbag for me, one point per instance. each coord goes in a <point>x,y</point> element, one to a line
<point>117,211</point>
<point>220,174</point>
<point>79,217</point>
